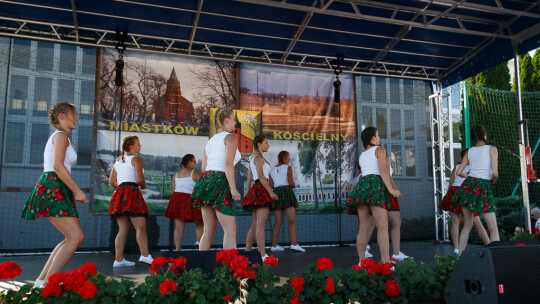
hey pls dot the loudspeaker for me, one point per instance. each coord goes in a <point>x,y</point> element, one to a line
<point>206,260</point>
<point>499,273</point>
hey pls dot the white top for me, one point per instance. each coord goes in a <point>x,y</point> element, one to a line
<point>215,153</point>
<point>391,170</point>
<point>266,168</point>
<point>537,225</point>
<point>184,184</point>
<point>480,162</point>
<point>279,176</point>
<point>125,172</point>
<point>458,180</point>
<point>369,163</point>
<point>48,155</point>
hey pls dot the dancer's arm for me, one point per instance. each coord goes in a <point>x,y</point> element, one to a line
<point>112,179</point>
<point>452,176</point>
<point>259,163</point>
<point>249,178</point>
<point>380,154</point>
<point>138,164</point>
<point>61,143</point>
<point>196,175</point>
<point>391,178</point>
<point>494,154</point>
<point>290,177</point>
<point>204,160</point>
<point>464,163</point>
<point>231,145</point>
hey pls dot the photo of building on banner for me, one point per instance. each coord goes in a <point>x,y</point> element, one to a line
<point>165,101</point>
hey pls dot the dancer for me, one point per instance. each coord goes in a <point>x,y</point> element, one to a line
<point>260,196</point>
<point>127,203</point>
<point>371,193</point>
<point>281,180</point>
<point>215,192</point>
<point>180,207</point>
<point>455,210</point>
<point>367,254</point>
<point>55,193</point>
<point>476,194</point>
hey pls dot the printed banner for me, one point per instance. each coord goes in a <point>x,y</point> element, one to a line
<point>248,126</point>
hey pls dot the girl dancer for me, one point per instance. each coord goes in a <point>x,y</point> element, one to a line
<point>281,180</point>
<point>455,210</point>
<point>395,218</point>
<point>367,254</point>
<point>55,194</point>
<point>260,197</point>
<point>180,207</point>
<point>371,193</point>
<point>476,194</point>
<point>127,203</point>
<point>215,192</point>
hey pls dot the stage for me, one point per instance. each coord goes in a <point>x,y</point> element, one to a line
<point>289,261</point>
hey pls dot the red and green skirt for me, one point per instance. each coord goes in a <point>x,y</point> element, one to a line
<point>475,194</point>
<point>213,190</point>
<point>257,197</point>
<point>50,197</point>
<point>447,203</point>
<point>181,208</point>
<point>394,204</point>
<point>369,190</point>
<point>128,200</point>
<point>286,198</point>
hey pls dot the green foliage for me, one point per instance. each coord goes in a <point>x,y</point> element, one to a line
<point>328,179</point>
<point>497,77</point>
<point>526,74</point>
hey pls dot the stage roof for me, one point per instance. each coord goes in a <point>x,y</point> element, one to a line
<point>443,40</point>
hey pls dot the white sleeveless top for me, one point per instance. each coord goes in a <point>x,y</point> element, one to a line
<point>480,162</point>
<point>279,176</point>
<point>184,184</point>
<point>215,153</point>
<point>369,163</point>
<point>266,169</point>
<point>48,155</point>
<point>458,180</point>
<point>125,172</point>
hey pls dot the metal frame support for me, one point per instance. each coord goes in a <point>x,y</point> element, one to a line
<point>521,126</point>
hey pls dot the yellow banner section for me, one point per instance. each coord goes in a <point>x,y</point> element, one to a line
<point>308,136</point>
<point>153,128</point>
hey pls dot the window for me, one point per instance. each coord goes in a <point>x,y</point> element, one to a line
<point>88,61</point>
<point>15,138</point>
<point>408,91</point>
<point>396,160</point>
<point>66,90</point>
<point>87,99</point>
<point>410,161</point>
<point>365,89</point>
<point>395,92</point>
<point>18,93</point>
<point>366,118</point>
<point>68,57</point>
<point>84,145</point>
<point>42,96</point>
<point>40,135</point>
<point>395,123</point>
<point>380,90</point>
<point>21,54</point>
<point>45,56</point>
<point>381,123</point>
<point>409,124</point>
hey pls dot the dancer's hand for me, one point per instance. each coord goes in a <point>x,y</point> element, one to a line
<point>396,193</point>
<point>235,194</point>
<point>81,197</point>
<point>273,195</point>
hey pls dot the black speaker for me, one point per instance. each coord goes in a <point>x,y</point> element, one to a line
<point>206,260</point>
<point>503,272</point>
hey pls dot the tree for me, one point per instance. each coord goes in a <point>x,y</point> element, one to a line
<point>536,71</point>
<point>526,74</point>
<point>307,156</point>
<point>497,77</point>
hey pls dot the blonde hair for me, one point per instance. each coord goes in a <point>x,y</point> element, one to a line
<point>221,114</point>
<point>127,141</point>
<point>55,110</point>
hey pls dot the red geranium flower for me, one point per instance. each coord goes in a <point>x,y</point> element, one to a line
<point>520,244</point>
<point>527,231</point>
<point>330,285</point>
<point>297,283</point>
<point>271,260</point>
<point>88,290</point>
<point>356,267</point>
<point>324,263</point>
<point>295,300</point>
<point>180,262</point>
<point>157,263</point>
<point>51,290</point>
<point>9,270</point>
<point>59,196</point>
<point>89,268</point>
<point>56,279</point>
<point>392,288</point>
<point>168,286</point>
<point>226,255</point>
<point>227,298</point>
<point>75,279</point>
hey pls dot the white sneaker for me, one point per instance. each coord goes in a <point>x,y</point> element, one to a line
<point>368,247</point>
<point>456,251</point>
<point>146,259</point>
<point>368,255</point>
<point>123,263</point>
<point>39,283</point>
<point>401,256</point>
<point>297,248</point>
<point>196,243</point>
<point>277,248</point>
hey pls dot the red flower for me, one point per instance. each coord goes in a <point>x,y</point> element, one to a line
<point>66,213</point>
<point>157,263</point>
<point>9,270</point>
<point>225,256</point>
<point>59,196</point>
<point>51,177</point>
<point>392,288</point>
<point>330,285</point>
<point>51,290</point>
<point>168,286</point>
<point>56,279</point>
<point>324,263</point>
<point>520,244</point>
<point>271,260</point>
<point>297,283</point>
<point>180,262</point>
<point>227,298</point>
<point>527,231</point>
<point>89,268</point>
<point>227,203</point>
<point>295,300</point>
<point>75,279</point>
<point>88,290</point>
<point>536,230</point>
<point>356,267</point>
<point>43,213</point>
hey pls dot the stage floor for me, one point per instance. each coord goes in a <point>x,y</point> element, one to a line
<point>289,261</point>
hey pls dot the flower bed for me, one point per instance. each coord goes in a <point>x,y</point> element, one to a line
<point>239,282</point>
